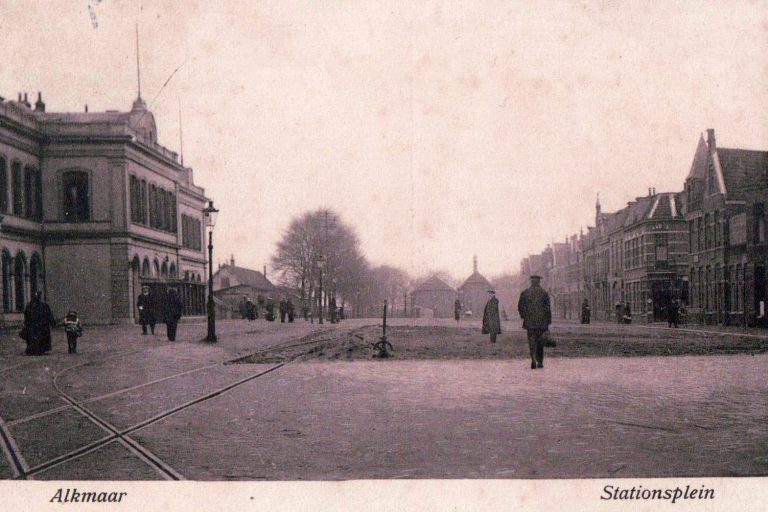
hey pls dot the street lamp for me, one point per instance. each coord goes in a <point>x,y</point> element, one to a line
<point>210,214</point>
<point>320,267</point>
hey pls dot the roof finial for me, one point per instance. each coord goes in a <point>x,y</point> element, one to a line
<point>138,66</point>
<point>474,263</point>
<point>597,204</point>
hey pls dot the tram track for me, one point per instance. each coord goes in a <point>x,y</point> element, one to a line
<point>122,436</point>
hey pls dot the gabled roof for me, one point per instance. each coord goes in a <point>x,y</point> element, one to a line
<point>700,161</point>
<point>433,284</point>
<point>743,170</point>
<point>248,277</point>
<point>476,279</point>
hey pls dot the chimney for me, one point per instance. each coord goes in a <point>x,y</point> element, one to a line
<point>654,190</point>
<point>26,101</point>
<point>649,192</point>
<point>39,105</point>
<point>86,108</point>
<point>232,260</point>
<point>265,272</point>
<point>711,139</point>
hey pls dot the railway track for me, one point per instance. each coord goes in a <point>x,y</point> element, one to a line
<point>21,469</point>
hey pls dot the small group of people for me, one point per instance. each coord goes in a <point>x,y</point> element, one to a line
<point>151,309</point>
<point>535,310</point>
<point>38,322</point>
<point>623,313</point>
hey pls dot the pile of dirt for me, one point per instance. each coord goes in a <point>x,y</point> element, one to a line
<point>447,343</point>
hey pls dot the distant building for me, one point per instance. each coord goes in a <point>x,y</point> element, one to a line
<point>726,194</point>
<point>93,208</point>
<point>473,293</point>
<point>433,297</point>
<point>231,284</point>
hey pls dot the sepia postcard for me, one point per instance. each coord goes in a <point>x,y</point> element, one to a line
<point>337,255</point>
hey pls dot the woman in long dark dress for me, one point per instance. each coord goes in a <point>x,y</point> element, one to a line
<point>38,320</point>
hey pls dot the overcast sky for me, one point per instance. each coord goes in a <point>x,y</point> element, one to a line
<point>439,131</point>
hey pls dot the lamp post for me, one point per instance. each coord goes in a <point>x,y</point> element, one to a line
<point>210,214</point>
<point>320,267</point>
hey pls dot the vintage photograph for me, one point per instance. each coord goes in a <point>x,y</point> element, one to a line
<point>338,241</point>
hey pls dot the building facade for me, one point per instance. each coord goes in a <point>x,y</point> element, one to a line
<point>92,209</point>
<point>726,191</point>
<point>433,297</point>
<point>231,284</point>
<point>473,293</point>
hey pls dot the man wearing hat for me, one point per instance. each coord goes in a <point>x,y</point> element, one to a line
<point>145,305</point>
<point>535,310</point>
<point>491,322</point>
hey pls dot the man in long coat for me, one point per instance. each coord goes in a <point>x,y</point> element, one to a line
<point>38,321</point>
<point>457,310</point>
<point>173,308</point>
<point>535,310</point>
<point>585,312</point>
<point>491,322</point>
<point>146,306</point>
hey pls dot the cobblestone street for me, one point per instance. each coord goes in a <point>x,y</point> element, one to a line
<point>486,415</point>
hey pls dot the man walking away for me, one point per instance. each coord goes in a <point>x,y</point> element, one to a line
<point>534,308</point>
<point>146,306</point>
<point>283,306</point>
<point>491,322</point>
<point>172,313</point>
<point>457,310</point>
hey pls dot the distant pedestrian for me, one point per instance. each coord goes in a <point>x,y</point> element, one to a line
<point>173,309</point>
<point>491,322</point>
<point>305,310</point>
<point>74,329</point>
<point>535,310</point>
<point>38,321</point>
<point>341,314</point>
<point>283,308</point>
<point>619,312</point>
<point>270,306</point>
<point>146,305</point>
<point>457,310</point>
<point>250,310</point>
<point>243,307</point>
<point>627,314</point>
<point>673,317</point>
<point>585,312</point>
<point>289,309</point>
<point>332,310</point>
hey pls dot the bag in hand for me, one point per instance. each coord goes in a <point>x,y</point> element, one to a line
<point>549,341</point>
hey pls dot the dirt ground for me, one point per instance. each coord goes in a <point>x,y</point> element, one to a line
<point>446,343</point>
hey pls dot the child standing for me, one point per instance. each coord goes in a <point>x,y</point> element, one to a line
<point>74,330</point>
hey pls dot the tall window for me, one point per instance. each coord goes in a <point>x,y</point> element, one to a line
<point>76,200</point>
<point>135,196</point>
<point>759,215</point>
<point>18,279</point>
<point>3,186</point>
<point>29,191</point>
<point>18,199</point>
<point>143,200</point>
<point>7,264</point>
<point>37,195</point>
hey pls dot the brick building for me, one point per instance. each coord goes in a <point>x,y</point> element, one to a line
<point>726,194</point>
<point>92,208</point>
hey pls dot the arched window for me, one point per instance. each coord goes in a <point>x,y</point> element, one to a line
<point>37,194</point>
<point>35,269</point>
<point>156,269</point>
<point>145,271</point>
<point>134,190</point>
<point>153,206</point>
<point>3,185</point>
<point>164,270</point>
<point>76,196</point>
<point>19,267</point>
<point>17,185</point>
<point>7,264</point>
<point>172,271</point>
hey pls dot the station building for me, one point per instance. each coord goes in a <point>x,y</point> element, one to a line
<point>93,208</point>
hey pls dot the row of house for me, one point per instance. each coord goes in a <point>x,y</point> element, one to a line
<point>434,297</point>
<point>704,246</point>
